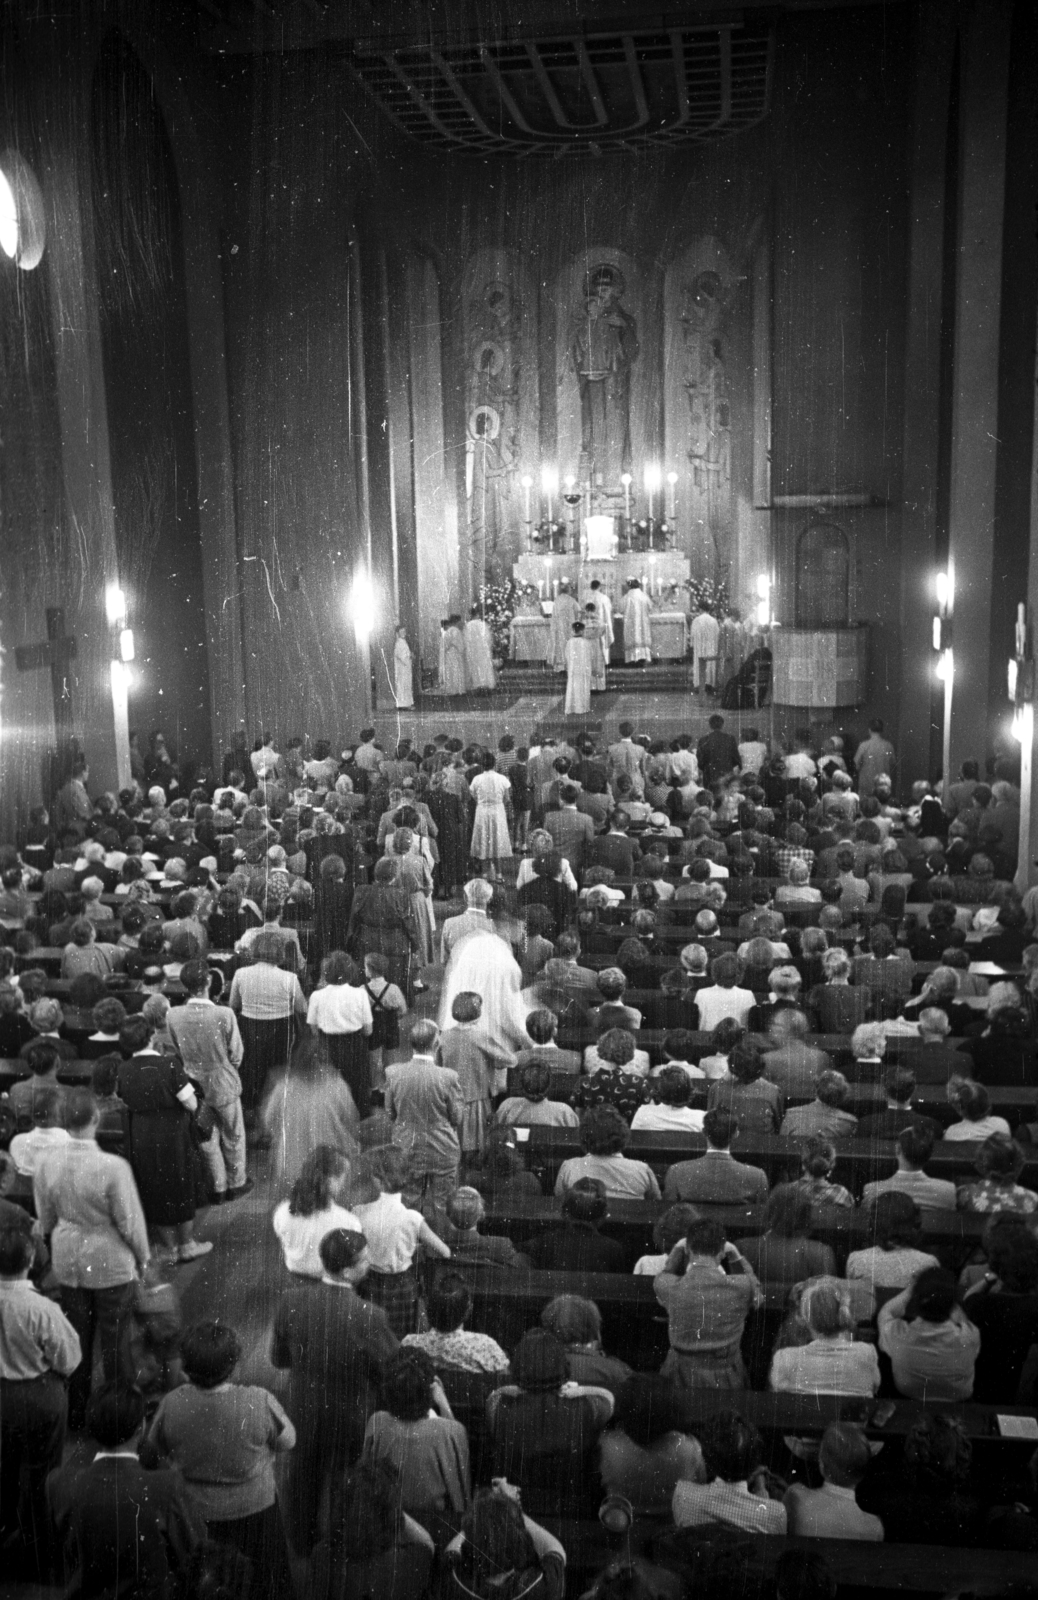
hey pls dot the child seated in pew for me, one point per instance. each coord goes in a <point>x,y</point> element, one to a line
<point>677,1047</point>
<point>531,1107</point>
<point>465,1211</point>
<point>670,1109</point>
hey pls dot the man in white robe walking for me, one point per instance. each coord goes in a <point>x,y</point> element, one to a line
<point>603,618</point>
<point>565,613</point>
<point>637,628</point>
<point>578,674</point>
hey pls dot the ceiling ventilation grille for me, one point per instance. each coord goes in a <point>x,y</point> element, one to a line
<point>571,95</point>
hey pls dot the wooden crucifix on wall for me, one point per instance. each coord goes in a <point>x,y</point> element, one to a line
<point>56,652</point>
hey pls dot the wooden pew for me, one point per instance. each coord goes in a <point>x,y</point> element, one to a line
<point>858,1161</point>
<point>889,1568</point>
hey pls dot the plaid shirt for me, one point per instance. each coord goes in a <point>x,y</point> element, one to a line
<point>786,854</point>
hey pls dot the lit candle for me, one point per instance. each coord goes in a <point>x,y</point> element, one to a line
<point>625,479</point>
<point>540,588</point>
<point>555,589</point>
<point>672,485</point>
<point>652,483</point>
<point>527,486</point>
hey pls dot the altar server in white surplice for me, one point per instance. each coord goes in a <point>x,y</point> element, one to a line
<point>604,617</point>
<point>453,680</point>
<point>403,671</point>
<point>578,673</point>
<point>637,628</point>
<point>593,635</point>
<point>479,667</point>
<point>705,633</point>
<point>565,614</point>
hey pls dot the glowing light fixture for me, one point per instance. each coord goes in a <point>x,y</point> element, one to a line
<point>8,218</point>
<point>23,219</point>
<point>115,605</point>
<point>944,589</point>
<point>127,649</point>
<point>763,599</point>
<point>362,604</point>
<point>944,670</point>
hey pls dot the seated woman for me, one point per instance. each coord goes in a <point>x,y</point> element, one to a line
<point>895,1260</point>
<point>931,1343</point>
<point>724,1038</point>
<point>831,1362</point>
<point>84,954</point>
<point>313,1209</point>
<point>999,1162</point>
<point>645,1453</point>
<point>747,1094</point>
<point>447,1343</point>
<point>670,1110</point>
<point>674,1006</point>
<point>1004,1307</point>
<point>502,1554</point>
<point>834,1006</point>
<point>577,1324</point>
<point>604,1133</point>
<point>544,1429</point>
<point>616,1071</point>
<point>548,887</point>
<point>735,1494</point>
<point>611,1012</point>
<point>973,1104</point>
<point>634,958</point>
<point>784,1254</point>
<point>417,1434</point>
<point>500,1173</point>
<point>373,1547</point>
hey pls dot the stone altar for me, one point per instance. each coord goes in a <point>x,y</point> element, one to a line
<point>528,637</point>
<point>657,569</point>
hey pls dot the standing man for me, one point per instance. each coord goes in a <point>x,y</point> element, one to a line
<point>335,1346</point>
<point>873,757</point>
<point>565,613</point>
<point>571,830</point>
<point>604,619</point>
<point>578,674</point>
<point>637,627</point>
<point>479,663</point>
<point>87,1203</point>
<point>717,753</point>
<point>39,1349</point>
<point>425,1102</point>
<point>705,634</point>
<point>627,757</point>
<point>210,1046</point>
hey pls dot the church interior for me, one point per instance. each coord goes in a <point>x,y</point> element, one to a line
<point>326,319</point>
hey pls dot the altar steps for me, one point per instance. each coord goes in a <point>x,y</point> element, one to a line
<point>654,678</point>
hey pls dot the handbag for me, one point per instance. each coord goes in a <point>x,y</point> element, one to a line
<point>203,1121</point>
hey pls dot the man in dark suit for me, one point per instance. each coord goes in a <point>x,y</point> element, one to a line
<point>930,1059</point>
<point>717,753</point>
<point>576,1245</point>
<point>898,1114</point>
<point>716,1177</point>
<point>571,830</point>
<point>789,1061</point>
<point>614,849</point>
<point>335,1346</point>
<point>542,1025</point>
<point>125,1531</point>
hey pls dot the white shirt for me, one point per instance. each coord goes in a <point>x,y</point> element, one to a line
<point>339,1008</point>
<point>716,1003</point>
<point>679,1119</point>
<point>976,1130</point>
<point>301,1236</point>
<point>27,1148</point>
<point>392,1232</point>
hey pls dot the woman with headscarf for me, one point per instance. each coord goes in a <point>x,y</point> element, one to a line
<point>484,964</point>
<point>382,921</point>
<point>449,812</point>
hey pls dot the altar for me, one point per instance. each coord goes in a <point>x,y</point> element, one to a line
<point>528,636</point>
<point>663,575</point>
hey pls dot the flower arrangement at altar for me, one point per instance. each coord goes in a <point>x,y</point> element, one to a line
<point>706,595</point>
<point>497,604</point>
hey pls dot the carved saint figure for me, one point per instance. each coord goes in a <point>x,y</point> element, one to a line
<point>603,344</point>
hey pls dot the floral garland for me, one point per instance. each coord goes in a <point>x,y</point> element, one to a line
<point>497,603</point>
<point>706,595</point>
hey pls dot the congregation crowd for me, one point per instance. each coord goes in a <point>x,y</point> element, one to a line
<point>752,1028</point>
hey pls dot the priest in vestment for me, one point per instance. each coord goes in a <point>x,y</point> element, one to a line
<point>637,628</point>
<point>453,678</point>
<point>705,634</point>
<point>479,666</point>
<point>604,617</point>
<point>403,672</point>
<point>593,633</point>
<point>578,673</point>
<point>565,613</point>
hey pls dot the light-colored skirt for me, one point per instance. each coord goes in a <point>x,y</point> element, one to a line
<point>490,841</point>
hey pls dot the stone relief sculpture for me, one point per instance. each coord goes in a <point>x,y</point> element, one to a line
<point>603,347</point>
<point>705,305</point>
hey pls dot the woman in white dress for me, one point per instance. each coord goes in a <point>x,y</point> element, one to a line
<point>490,841</point>
<point>403,671</point>
<point>479,665</point>
<point>482,963</point>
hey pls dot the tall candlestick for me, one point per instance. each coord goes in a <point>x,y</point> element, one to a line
<point>672,486</point>
<point>625,479</point>
<point>527,486</point>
